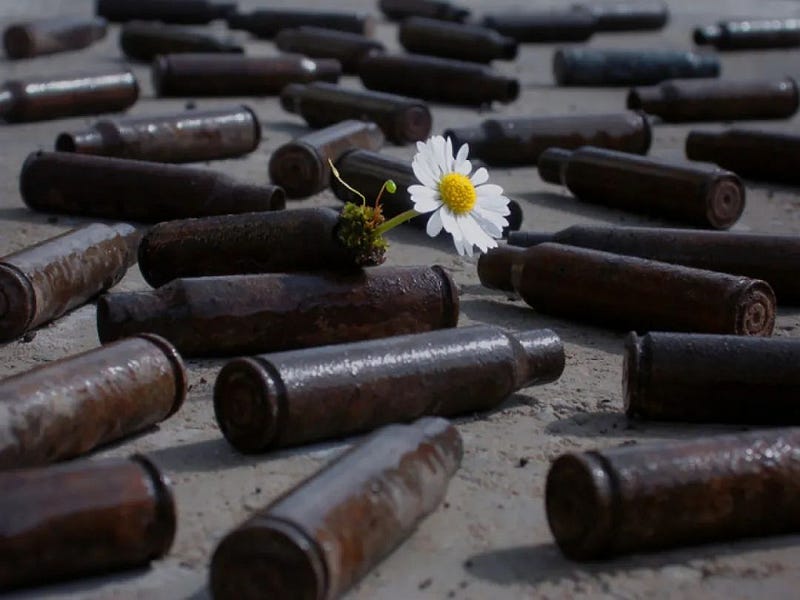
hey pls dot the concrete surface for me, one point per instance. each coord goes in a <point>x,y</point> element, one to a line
<point>490,538</point>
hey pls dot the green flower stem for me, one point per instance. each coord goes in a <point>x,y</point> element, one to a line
<point>398,220</point>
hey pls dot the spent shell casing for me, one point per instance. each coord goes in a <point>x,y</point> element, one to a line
<point>496,265</point>
<point>750,35</point>
<point>312,542</point>
<point>397,10</point>
<point>268,22</point>
<point>627,15</point>
<point>318,42</point>
<point>455,40</point>
<point>182,12</point>
<point>145,40</point>
<point>571,25</point>
<point>49,36</point>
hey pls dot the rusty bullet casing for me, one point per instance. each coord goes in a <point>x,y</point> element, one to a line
<point>679,101</point>
<point>455,40</point>
<point>69,407</point>
<point>693,194</point>
<point>619,67</point>
<point>276,400</point>
<point>191,74</point>
<point>520,141</point>
<point>626,292</point>
<point>301,167</point>
<point>318,42</point>
<point>571,25</point>
<point>272,242</point>
<point>182,12</point>
<point>367,171</point>
<point>397,10</point>
<point>249,314</point>
<point>496,265</point>
<point>42,282</point>
<point>49,36</point>
<point>268,22</point>
<point>118,188</point>
<point>763,155</point>
<point>83,518</point>
<point>190,136</point>
<point>312,542</point>
<point>750,35</point>
<point>627,15</point>
<point>773,258</point>
<point>440,79</point>
<point>712,379</point>
<point>403,120</point>
<point>670,494</point>
<point>145,40</point>
<point>68,95</point>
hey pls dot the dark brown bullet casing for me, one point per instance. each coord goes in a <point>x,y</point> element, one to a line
<point>301,167</point>
<point>69,407</point>
<point>82,518</point>
<point>773,258</point>
<point>764,155</point>
<point>520,141</point>
<point>312,542</point>
<point>43,282</point>
<point>145,40</point>
<point>271,242</point>
<point>625,15</point>
<point>441,79</point>
<point>397,10</point>
<point>750,35</point>
<point>496,265</point>
<point>717,100</point>
<point>455,40</point>
<point>712,379</point>
<point>699,195</point>
<point>236,74</point>
<point>117,188</point>
<point>268,22</point>
<point>571,25</point>
<point>402,120</point>
<point>68,95</point>
<point>303,396</point>
<point>318,42</point>
<point>626,292</point>
<point>182,12</point>
<point>190,136</point>
<point>248,314</point>
<point>48,36</point>
<point>678,493</point>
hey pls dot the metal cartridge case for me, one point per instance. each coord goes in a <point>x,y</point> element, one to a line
<point>773,258</point>
<point>712,379</point>
<point>397,10</point>
<point>764,155</point>
<point>318,42</point>
<point>191,136</point>
<point>182,12</point>
<point>82,518</point>
<point>303,396</point>
<point>626,292</point>
<point>679,493</point>
<point>192,74</point>
<point>117,188</point>
<point>69,407</point>
<point>272,242</point>
<point>248,314</point>
<point>716,100</point>
<point>144,41</point>
<point>627,15</point>
<point>496,265</point>
<point>301,167</point>
<point>520,141</point>
<point>693,194</point>
<point>402,120</point>
<point>367,171</point>
<point>750,35</point>
<point>68,95</point>
<point>312,542</point>
<point>42,282</point>
<point>48,36</point>
<point>455,40</point>
<point>269,22</point>
<point>612,67</point>
<point>571,25</point>
<point>441,79</point>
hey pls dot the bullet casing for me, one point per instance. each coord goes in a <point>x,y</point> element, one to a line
<point>49,36</point>
<point>571,25</point>
<point>318,42</point>
<point>248,314</point>
<point>269,22</point>
<point>304,396</point>
<point>312,543</point>
<point>43,282</point>
<point>117,188</point>
<point>496,265</point>
<point>627,15</point>
<point>626,292</point>
<point>455,40</point>
<point>699,195</point>
<point>750,35</point>
<point>403,120</point>
<point>670,494</point>
<point>82,518</point>
<point>397,10</point>
<point>182,12</point>
<point>144,41</point>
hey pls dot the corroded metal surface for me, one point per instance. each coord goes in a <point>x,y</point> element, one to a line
<point>48,36</point>
<point>312,543</point>
<point>397,10</point>
<point>319,42</point>
<point>455,40</point>
<point>185,12</point>
<point>269,22</point>
<point>748,35</point>
<point>144,41</point>
<point>565,25</point>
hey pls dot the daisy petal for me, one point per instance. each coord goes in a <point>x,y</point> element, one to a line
<point>488,189</point>
<point>474,234</point>
<point>448,155</point>
<point>423,172</point>
<point>464,167</point>
<point>490,226</point>
<point>424,204</point>
<point>434,226</point>
<point>498,204</point>
<point>449,224</point>
<point>480,176</point>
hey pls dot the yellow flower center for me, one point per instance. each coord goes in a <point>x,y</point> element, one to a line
<point>458,193</point>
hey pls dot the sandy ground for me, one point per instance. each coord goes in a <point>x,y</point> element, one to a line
<point>490,538</point>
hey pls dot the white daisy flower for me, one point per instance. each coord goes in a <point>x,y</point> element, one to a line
<point>466,206</point>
